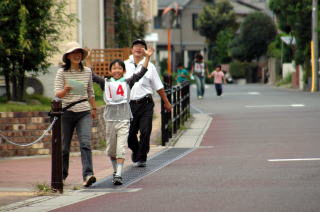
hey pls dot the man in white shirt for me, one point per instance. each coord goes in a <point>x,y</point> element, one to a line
<point>141,102</point>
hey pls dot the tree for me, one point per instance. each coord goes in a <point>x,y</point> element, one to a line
<point>127,29</point>
<point>256,32</point>
<point>294,17</point>
<point>30,30</point>
<point>221,48</point>
<point>213,19</point>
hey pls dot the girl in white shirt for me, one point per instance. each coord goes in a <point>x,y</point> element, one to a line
<point>117,112</point>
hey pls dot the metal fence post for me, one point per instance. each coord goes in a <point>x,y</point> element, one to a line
<point>188,100</point>
<point>164,125</point>
<point>174,119</point>
<point>169,114</point>
<point>179,97</point>
<point>56,159</point>
<point>179,106</point>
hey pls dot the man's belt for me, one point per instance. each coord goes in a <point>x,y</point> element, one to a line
<point>142,100</point>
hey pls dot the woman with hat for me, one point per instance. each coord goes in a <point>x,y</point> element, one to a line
<point>73,84</point>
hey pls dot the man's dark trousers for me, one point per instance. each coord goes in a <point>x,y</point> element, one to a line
<point>142,121</point>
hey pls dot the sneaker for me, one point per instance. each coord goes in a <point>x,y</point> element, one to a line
<point>142,164</point>
<point>200,97</point>
<point>117,180</point>
<point>89,181</point>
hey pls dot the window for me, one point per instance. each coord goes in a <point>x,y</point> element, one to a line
<point>194,21</point>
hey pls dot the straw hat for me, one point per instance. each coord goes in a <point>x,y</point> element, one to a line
<point>72,46</point>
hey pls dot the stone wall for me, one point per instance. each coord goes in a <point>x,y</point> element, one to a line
<point>26,127</point>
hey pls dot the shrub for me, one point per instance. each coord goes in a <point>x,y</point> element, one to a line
<point>238,69</point>
<point>286,81</point>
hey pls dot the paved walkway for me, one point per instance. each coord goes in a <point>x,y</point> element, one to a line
<point>20,176</point>
<point>18,184</point>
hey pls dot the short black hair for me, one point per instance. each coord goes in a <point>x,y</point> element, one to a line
<point>199,57</point>
<point>139,41</point>
<point>218,66</point>
<point>120,62</point>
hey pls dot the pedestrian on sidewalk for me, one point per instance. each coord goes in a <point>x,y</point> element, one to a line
<point>182,74</point>
<point>198,70</point>
<point>141,102</point>
<point>219,79</point>
<point>118,113</point>
<point>73,84</point>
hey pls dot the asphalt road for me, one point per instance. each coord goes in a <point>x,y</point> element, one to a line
<point>261,153</point>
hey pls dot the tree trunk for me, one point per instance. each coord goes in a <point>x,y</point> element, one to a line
<point>21,86</point>
<point>18,86</point>
<point>7,81</point>
<point>14,88</point>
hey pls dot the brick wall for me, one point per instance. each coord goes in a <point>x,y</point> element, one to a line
<point>26,127</point>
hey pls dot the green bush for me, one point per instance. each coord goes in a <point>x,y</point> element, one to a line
<point>238,69</point>
<point>98,92</point>
<point>42,100</point>
<point>286,81</point>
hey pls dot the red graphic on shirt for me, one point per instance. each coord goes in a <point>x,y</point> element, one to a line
<point>120,90</point>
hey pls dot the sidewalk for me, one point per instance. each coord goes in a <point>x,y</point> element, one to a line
<point>21,175</point>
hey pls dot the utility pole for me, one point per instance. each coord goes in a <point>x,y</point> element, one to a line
<point>314,47</point>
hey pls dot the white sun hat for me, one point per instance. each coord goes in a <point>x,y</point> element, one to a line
<point>72,46</point>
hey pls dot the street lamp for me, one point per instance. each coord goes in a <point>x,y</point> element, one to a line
<point>170,18</point>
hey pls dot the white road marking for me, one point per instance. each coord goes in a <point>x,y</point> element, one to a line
<point>205,86</point>
<point>297,105</point>
<point>293,159</point>
<point>262,106</point>
<point>242,93</point>
<point>254,93</point>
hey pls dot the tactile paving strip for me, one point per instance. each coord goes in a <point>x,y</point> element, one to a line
<point>133,173</point>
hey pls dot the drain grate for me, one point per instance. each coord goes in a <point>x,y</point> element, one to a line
<point>132,174</point>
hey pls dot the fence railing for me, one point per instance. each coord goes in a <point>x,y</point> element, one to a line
<point>171,122</point>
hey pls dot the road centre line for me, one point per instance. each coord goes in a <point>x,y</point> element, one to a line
<point>293,159</point>
<point>254,93</point>
<point>262,106</point>
<point>241,93</point>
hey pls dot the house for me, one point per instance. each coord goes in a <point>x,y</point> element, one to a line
<point>186,41</point>
<point>89,32</point>
<point>94,30</point>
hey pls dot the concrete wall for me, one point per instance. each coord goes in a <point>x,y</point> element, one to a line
<point>88,32</point>
<point>287,68</point>
<point>92,24</point>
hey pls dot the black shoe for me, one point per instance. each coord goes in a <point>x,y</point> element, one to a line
<point>134,157</point>
<point>89,181</point>
<point>117,180</point>
<point>142,164</point>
